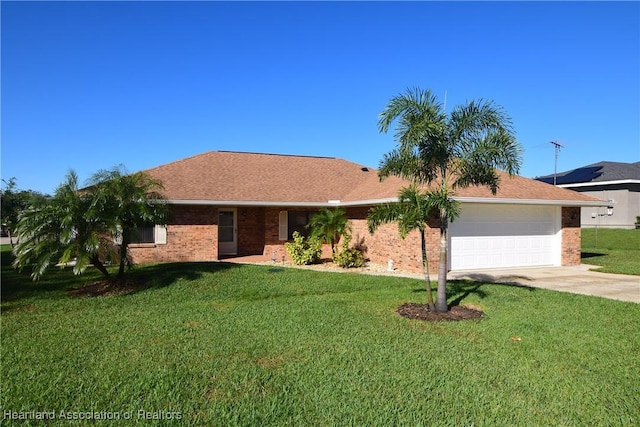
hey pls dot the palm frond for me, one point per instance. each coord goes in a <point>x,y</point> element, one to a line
<point>329,225</point>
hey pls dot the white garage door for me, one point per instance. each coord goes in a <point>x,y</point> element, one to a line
<point>498,236</point>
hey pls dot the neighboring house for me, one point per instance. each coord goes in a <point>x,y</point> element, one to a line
<point>237,204</point>
<point>617,183</point>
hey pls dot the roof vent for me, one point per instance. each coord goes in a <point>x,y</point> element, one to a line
<point>364,169</point>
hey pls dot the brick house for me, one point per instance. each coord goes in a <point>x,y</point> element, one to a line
<point>237,204</point>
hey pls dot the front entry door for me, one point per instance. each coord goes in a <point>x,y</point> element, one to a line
<point>227,232</point>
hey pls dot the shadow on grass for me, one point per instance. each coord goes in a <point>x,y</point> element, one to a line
<point>591,255</point>
<point>459,289</point>
<point>17,287</point>
<point>156,276</point>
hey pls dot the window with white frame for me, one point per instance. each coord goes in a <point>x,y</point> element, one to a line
<point>290,221</point>
<point>152,234</point>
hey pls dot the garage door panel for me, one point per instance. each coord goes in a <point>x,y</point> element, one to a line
<point>490,236</point>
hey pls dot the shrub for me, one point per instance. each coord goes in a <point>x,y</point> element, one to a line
<point>304,251</point>
<point>348,257</point>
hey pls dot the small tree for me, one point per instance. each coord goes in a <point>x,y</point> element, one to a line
<point>329,225</point>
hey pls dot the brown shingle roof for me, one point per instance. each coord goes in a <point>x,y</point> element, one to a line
<point>223,176</point>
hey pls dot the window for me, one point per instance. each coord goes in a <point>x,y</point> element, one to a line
<point>143,235</point>
<point>154,234</point>
<point>291,221</point>
<point>298,222</point>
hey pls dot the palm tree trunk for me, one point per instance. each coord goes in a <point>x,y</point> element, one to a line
<point>123,253</point>
<point>425,267</point>
<point>100,266</point>
<point>441,298</point>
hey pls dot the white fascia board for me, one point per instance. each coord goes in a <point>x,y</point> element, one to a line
<point>253,203</point>
<point>369,202</point>
<point>532,201</point>
<point>334,203</point>
<point>329,203</point>
<point>597,184</point>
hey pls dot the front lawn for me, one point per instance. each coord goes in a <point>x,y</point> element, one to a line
<point>220,344</point>
<point>615,250</point>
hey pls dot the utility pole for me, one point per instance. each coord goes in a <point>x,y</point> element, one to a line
<point>557,147</point>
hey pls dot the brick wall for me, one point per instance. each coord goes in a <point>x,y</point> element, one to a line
<point>273,246</point>
<point>251,231</point>
<point>571,251</point>
<point>386,243</point>
<point>192,235</point>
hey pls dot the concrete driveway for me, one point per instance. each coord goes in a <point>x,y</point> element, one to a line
<point>577,280</point>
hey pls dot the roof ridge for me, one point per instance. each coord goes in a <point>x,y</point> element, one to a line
<point>274,154</point>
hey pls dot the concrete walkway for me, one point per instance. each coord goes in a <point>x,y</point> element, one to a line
<point>577,280</point>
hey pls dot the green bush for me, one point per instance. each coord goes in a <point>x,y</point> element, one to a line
<point>304,251</point>
<point>348,257</point>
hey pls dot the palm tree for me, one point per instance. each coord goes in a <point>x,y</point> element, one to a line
<point>448,152</point>
<point>329,225</point>
<point>67,226</point>
<point>84,224</point>
<point>413,211</point>
<point>129,201</point>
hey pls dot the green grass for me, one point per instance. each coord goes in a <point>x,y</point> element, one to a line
<point>227,344</point>
<point>615,250</point>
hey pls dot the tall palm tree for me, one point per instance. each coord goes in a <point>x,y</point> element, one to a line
<point>448,152</point>
<point>413,211</point>
<point>329,225</point>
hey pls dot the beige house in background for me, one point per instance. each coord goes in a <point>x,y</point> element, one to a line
<point>225,204</point>
<point>615,182</point>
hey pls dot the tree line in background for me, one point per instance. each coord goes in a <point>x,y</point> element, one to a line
<point>13,202</point>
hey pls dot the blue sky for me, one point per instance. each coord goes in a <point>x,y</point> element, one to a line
<point>88,85</point>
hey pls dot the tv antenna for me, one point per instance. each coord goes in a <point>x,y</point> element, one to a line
<point>557,147</point>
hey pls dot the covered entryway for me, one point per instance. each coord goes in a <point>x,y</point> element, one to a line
<point>505,236</point>
<point>227,232</point>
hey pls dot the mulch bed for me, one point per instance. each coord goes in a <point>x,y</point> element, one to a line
<point>413,310</point>
<point>107,288</point>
